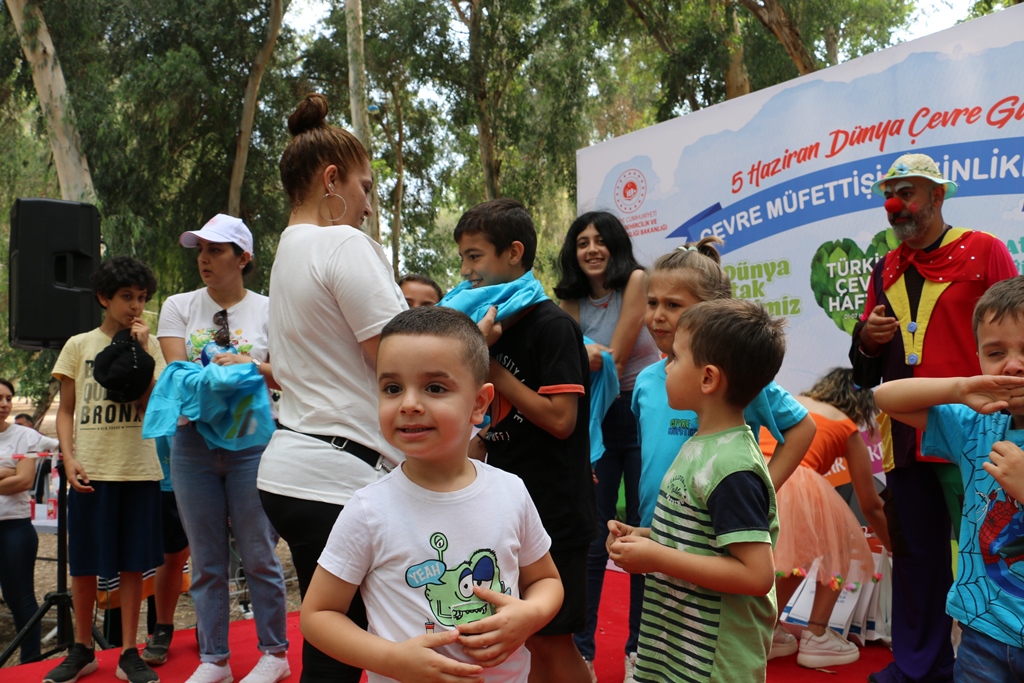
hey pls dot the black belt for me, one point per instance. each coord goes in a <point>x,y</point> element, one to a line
<point>364,453</point>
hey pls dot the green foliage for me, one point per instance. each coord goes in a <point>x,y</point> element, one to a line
<point>25,171</point>
<point>157,92</point>
<point>982,7</point>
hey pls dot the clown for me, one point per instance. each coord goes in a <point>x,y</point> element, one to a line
<point>917,323</point>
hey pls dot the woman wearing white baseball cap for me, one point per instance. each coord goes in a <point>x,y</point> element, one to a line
<point>226,324</point>
<point>332,290</point>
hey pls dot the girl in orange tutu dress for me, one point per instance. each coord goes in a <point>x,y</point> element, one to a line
<point>816,523</point>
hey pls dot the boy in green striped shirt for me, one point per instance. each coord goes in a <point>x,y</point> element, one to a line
<point>709,597</point>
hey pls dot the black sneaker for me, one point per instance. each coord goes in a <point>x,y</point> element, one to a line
<point>155,653</point>
<point>81,661</point>
<point>131,668</point>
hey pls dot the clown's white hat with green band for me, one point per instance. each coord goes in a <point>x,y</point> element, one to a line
<point>914,166</point>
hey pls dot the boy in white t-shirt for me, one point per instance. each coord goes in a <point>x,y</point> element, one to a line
<point>449,554</point>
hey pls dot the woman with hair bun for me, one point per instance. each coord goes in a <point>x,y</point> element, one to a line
<point>332,290</point>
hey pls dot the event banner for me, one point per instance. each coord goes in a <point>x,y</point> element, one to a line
<point>783,175</point>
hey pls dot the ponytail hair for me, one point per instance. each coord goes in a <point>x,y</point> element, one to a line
<point>701,264</point>
<point>837,389</point>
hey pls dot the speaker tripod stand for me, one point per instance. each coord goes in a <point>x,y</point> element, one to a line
<point>61,598</point>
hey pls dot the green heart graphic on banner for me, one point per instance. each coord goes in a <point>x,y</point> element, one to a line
<point>841,276</point>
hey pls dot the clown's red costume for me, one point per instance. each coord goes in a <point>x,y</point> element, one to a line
<point>931,291</point>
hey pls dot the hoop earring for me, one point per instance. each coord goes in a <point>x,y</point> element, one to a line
<point>330,215</point>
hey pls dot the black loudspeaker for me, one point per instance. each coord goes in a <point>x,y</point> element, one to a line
<point>54,249</point>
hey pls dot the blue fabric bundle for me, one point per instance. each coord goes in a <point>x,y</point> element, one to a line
<point>518,295</point>
<point>229,404</point>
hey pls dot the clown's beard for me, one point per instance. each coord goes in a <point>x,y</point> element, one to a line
<point>915,226</point>
<point>906,230</point>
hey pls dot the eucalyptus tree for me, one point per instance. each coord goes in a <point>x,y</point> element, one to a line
<point>157,90</point>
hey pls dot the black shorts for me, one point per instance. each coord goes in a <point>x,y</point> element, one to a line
<point>572,568</point>
<point>115,529</point>
<point>175,539</point>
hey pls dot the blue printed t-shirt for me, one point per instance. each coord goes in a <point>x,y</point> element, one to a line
<point>988,594</point>
<point>663,431</point>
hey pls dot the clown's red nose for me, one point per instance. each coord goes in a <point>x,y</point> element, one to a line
<point>893,204</point>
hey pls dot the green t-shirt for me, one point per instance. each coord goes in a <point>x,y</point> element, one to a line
<point>688,632</point>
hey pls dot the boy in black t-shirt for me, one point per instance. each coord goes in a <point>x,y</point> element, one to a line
<point>539,417</point>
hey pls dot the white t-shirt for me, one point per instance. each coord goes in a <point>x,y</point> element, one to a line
<point>18,440</point>
<point>415,553</point>
<point>189,316</point>
<point>330,289</point>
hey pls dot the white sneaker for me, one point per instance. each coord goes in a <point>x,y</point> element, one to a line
<point>784,643</point>
<point>269,669</point>
<point>590,668</point>
<point>829,649</point>
<point>208,672</point>
<point>630,665</point>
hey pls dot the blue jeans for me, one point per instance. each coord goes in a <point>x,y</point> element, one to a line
<point>621,460</point>
<point>212,486</point>
<point>18,546</point>
<point>982,659</point>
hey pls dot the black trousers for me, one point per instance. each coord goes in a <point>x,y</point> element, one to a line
<point>305,526</point>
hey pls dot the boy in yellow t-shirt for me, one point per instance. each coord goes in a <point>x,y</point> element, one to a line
<point>114,505</point>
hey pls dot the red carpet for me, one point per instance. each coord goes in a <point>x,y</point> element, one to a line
<point>611,637</point>
<point>612,629</point>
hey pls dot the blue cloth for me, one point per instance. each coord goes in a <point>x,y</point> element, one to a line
<point>988,595</point>
<point>163,451</point>
<point>509,297</point>
<point>663,431</point>
<point>516,296</point>
<point>604,387</point>
<point>228,404</point>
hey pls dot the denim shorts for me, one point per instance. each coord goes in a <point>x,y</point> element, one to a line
<point>983,659</point>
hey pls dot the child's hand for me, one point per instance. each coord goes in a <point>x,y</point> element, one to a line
<point>232,359</point>
<point>988,394</point>
<point>140,332</point>
<point>76,475</point>
<point>616,529</point>
<point>415,661</point>
<point>489,327</point>
<point>595,355</point>
<point>1007,467</point>
<point>491,640</point>
<point>634,553</point>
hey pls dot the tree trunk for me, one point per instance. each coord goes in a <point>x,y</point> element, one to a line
<point>51,89</point>
<point>773,16</point>
<point>39,412</point>
<point>737,80</point>
<point>252,89</point>
<point>393,126</point>
<point>357,95</point>
<point>831,45</point>
<point>483,101</point>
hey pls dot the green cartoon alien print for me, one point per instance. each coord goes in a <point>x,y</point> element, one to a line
<point>449,592</point>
